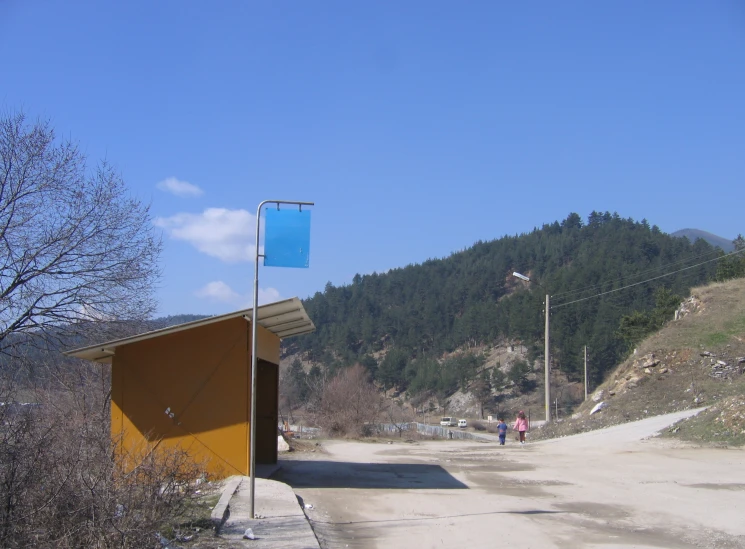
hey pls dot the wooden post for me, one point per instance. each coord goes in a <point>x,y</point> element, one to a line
<point>585,372</point>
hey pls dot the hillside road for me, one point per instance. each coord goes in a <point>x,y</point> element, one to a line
<point>615,488</point>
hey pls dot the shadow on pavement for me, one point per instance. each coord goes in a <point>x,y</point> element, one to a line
<point>331,474</point>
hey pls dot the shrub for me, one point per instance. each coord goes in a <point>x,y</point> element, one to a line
<point>491,427</point>
<point>63,485</point>
<point>349,402</point>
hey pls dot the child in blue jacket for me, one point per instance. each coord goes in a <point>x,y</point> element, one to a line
<point>502,430</point>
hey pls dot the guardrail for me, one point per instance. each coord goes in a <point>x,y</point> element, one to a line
<point>396,428</point>
<point>430,430</point>
<point>301,430</point>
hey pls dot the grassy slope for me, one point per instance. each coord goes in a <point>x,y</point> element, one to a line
<point>688,351</point>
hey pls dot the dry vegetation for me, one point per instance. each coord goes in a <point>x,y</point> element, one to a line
<point>350,402</point>
<point>696,363</point>
<point>722,424</point>
<point>62,484</point>
<point>78,263</point>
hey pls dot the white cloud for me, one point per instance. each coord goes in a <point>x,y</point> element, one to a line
<point>218,232</point>
<point>179,188</point>
<point>220,292</point>
<point>267,295</point>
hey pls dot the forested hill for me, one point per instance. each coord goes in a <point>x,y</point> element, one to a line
<point>418,313</point>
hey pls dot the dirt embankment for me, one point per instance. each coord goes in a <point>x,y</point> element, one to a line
<point>696,360</point>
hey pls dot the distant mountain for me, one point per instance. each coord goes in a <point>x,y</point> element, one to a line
<point>173,320</point>
<point>714,240</point>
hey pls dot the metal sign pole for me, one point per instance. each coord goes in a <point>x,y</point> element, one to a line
<point>251,460</point>
<point>252,425</point>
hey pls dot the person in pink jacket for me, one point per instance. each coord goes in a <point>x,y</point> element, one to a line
<point>521,425</point>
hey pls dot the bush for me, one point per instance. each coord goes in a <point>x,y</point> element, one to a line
<point>479,426</point>
<point>349,403</point>
<point>63,485</point>
<point>492,427</point>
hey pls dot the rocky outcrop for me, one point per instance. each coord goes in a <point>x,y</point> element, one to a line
<point>723,366</point>
<point>646,362</point>
<point>689,306</point>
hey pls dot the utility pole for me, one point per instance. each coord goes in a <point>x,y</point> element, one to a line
<point>548,361</point>
<point>585,372</point>
<point>546,352</point>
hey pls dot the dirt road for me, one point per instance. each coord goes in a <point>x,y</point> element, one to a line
<point>605,489</point>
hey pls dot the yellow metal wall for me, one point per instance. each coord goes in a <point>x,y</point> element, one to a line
<point>201,376</point>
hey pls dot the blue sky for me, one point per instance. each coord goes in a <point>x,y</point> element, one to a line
<point>417,128</point>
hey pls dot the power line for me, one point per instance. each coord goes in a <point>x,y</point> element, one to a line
<point>645,281</point>
<point>640,273</point>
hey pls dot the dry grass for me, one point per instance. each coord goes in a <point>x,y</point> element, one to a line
<point>720,320</point>
<point>301,445</point>
<point>723,424</point>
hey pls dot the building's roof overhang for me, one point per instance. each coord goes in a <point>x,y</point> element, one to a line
<point>284,319</point>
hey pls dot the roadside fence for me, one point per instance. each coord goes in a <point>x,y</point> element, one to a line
<point>429,430</point>
<point>436,431</point>
<point>300,431</point>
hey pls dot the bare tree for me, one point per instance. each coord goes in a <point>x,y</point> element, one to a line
<point>398,415</point>
<point>350,403</point>
<point>417,402</point>
<point>316,382</point>
<point>481,390</point>
<point>293,387</point>
<point>77,256</point>
<point>287,400</point>
<point>74,246</point>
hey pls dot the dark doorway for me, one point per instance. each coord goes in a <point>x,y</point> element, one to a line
<point>267,396</point>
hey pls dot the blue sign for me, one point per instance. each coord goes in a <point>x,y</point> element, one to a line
<point>287,238</point>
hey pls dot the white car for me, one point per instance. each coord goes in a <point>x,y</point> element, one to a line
<point>448,421</point>
<point>462,423</point>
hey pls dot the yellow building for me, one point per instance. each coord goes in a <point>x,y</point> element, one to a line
<point>189,385</point>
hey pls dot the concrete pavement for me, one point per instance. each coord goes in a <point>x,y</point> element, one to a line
<point>280,522</point>
<point>614,488</point>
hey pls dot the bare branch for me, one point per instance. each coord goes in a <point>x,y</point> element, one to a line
<point>74,246</point>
